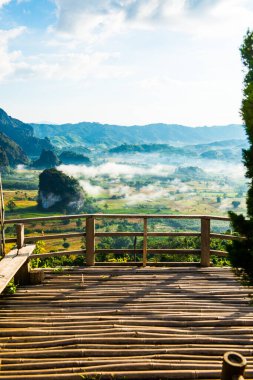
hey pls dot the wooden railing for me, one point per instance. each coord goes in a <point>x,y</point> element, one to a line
<point>91,234</point>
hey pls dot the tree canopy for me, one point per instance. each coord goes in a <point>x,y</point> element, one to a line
<point>241,252</point>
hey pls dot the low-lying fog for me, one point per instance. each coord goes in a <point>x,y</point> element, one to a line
<point>142,178</point>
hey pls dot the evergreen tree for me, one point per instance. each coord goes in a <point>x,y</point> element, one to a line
<point>241,251</point>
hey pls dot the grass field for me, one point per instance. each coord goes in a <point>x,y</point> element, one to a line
<point>121,195</point>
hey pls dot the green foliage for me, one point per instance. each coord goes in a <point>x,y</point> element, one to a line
<point>48,159</point>
<point>65,245</point>
<point>190,172</point>
<point>146,148</point>
<point>22,134</point>
<point>70,157</point>
<point>11,153</point>
<point>11,205</point>
<point>236,204</point>
<point>11,288</point>
<point>4,161</point>
<point>57,191</point>
<point>241,251</point>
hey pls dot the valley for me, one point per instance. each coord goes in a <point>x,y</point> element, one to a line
<point>187,173</point>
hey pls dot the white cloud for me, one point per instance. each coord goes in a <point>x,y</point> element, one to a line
<point>92,20</point>
<point>91,189</point>
<point>8,59</point>
<point>73,66</point>
<point>114,170</point>
<point>4,2</point>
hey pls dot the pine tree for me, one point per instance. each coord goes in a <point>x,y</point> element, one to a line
<point>241,251</point>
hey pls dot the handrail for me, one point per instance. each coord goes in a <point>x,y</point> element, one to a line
<point>116,216</point>
<point>91,234</point>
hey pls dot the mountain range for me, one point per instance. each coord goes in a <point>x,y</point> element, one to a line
<point>20,140</point>
<point>112,135</point>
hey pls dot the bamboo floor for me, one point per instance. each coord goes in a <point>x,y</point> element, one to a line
<point>126,323</point>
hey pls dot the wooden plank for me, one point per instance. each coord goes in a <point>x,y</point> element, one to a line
<point>145,242</point>
<point>120,251</point>
<point>115,216</point>
<point>205,242</point>
<point>20,229</point>
<point>90,241</point>
<point>57,253</point>
<point>226,237</point>
<point>150,250</point>
<point>2,217</point>
<point>12,262</point>
<point>29,239</point>
<point>117,234</point>
<point>176,234</point>
<point>54,236</point>
<point>218,253</point>
<point>103,234</point>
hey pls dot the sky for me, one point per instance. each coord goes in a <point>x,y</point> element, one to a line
<point>123,61</point>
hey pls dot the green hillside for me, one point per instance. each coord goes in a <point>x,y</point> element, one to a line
<point>23,135</point>
<point>13,151</point>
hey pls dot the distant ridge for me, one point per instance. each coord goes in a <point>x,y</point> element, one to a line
<point>33,138</point>
<point>22,134</point>
<point>113,135</point>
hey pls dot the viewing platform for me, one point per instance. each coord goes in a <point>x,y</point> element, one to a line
<point>122,321</point>
<point>126,323</point>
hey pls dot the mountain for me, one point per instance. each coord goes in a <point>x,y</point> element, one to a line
<point>23,135</point>
<point>147,148</point>
<point>228,150</point>
<point>113,135</point>
<point>47,160</point>
<point>13,151</point>
<point>69,157</point>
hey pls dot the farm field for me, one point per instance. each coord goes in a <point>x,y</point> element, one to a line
<point>133,185</point>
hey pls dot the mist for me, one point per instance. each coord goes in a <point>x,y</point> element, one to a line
<point>117,178</point>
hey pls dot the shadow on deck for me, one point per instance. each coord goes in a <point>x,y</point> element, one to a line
<point>126,323</point>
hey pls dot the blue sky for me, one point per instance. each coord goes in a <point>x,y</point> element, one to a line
<point>123,61</point>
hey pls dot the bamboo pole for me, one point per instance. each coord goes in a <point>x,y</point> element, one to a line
<point>233,366</point>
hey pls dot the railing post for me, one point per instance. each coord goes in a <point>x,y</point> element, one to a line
<point>90,241</point>
<point>2,216</point>
<point>145,241</point>
<point>205,242</point>
<point>233,366</point>
<point>20,229</point>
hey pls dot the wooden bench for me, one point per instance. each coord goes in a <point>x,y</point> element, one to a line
<point>15,264</point>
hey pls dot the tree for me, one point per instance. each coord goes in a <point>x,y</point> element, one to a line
<point>241,251</point>
<point>236,204</point>
<point>11,205</point>
<point>79,223</point>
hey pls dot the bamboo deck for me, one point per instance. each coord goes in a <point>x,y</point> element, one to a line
<point>126,323</point>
